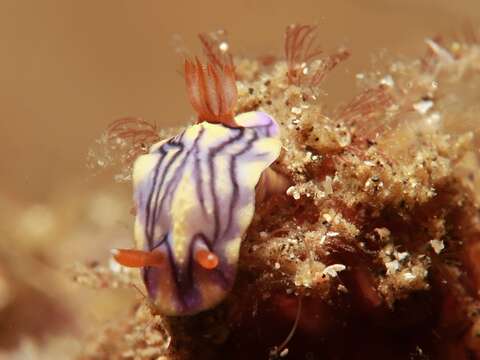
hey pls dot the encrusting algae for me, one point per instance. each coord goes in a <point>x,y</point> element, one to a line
<point>373,250</point>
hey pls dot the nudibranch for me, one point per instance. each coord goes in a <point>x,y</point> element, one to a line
<point>195,194</point>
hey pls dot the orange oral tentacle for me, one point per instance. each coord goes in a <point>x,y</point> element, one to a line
<point>137,258</point>
<point>206,259</point>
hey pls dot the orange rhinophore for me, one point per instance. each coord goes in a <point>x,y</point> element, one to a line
<point>303,57</point>
<point>206,259</point>
<point>211,88</point>
<point>138,258</point>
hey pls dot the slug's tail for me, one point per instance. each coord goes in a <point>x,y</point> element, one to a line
<point>211,87</point>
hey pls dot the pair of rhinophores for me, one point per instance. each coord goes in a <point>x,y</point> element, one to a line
<point>194,193</point>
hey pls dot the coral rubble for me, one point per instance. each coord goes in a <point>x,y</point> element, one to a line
<point>374,250</point>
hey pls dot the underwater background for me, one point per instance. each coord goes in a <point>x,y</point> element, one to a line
<point>69,68</point>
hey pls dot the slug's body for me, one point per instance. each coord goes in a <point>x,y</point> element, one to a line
<point>195,193</point>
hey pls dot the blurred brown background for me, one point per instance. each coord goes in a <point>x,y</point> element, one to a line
<point>67,68</point>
